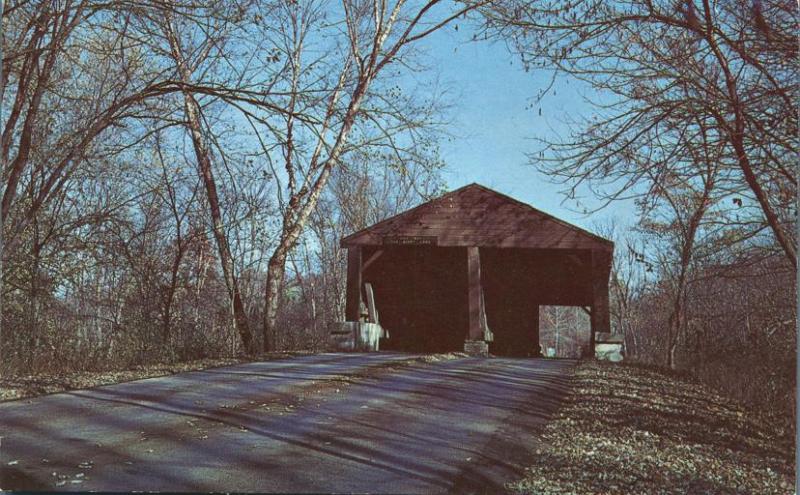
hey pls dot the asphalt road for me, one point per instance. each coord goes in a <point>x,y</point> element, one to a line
<point>459,426</point>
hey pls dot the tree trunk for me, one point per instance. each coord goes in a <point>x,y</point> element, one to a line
<point>773,222</point>
<point>275,274</point>
<point>223,249</point>
<point>735,133</point>
<point>297,215</point>
<point>204,165</point>
<point>675,329</point>
<point>33,310</point>
<point>170,296</point>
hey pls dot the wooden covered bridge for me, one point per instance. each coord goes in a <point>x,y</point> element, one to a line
<point>470,269</point>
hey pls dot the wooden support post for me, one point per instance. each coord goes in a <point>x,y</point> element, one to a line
<point>600,314</point>
<point>353,304</point>
<point>476,311</point>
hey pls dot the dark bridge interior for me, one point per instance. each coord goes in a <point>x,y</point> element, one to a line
<point>421,293</point>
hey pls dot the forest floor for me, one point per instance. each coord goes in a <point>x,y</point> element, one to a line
<point>631,429</point>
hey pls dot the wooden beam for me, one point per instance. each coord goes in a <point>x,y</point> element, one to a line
<point>353,302</point>
<point>534,350</point>
<point>600,314</point>
<point>377,254</point>
<point>476,311</point>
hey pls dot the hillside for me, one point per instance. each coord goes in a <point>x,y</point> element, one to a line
<point>629,429</point>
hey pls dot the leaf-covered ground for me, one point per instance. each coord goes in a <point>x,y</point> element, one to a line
<point>627,429</point>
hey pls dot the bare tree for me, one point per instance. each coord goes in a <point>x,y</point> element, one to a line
<point>665,65</point>
<point>364,192</point>
<point>194,123</point>
<point>565,329</point>
<point>628,277</point>
<point>377,35</point>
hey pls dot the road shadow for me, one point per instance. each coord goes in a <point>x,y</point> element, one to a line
<point>13,478</point>
<point>425,425</point>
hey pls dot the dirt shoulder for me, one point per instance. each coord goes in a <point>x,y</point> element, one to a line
<point>628,429</point>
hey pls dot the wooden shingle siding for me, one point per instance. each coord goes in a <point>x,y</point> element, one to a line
<point>477,216</point>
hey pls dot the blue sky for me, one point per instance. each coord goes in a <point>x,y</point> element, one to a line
<point>494,124</point>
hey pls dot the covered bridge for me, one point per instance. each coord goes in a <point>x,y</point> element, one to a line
<point>470,269</point>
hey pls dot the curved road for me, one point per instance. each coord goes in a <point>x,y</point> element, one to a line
<point>293,425</point>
